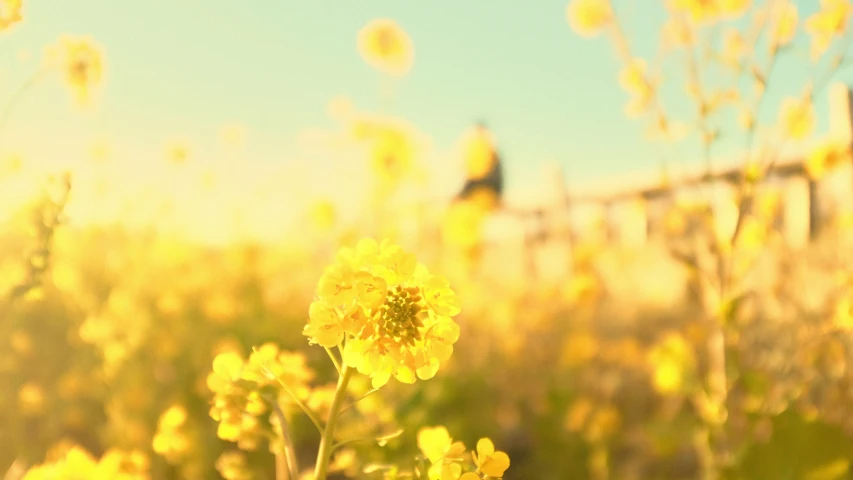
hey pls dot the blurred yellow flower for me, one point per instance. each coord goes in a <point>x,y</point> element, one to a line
<point>784,25</point>
<point>796,118</point>
<point>634,80</point>
<point>10,13</point>
<point>733,7</point>
<point>677,33</point>
<point>709,10</point>
<point>443,453</point>
<point>462,225</point>
<point>392,155</point>
<point>825,157</point>
<point>386,47</point>
<point>177,152</point>
<point>323,215</point>
<point>830,21</point>
<point>588,17</point>
<point>672,360</point>
<point>77,463</point>
<point>31,399</point>
<point>698,10</point>
<point>81,62</point>
<point>233,465</point>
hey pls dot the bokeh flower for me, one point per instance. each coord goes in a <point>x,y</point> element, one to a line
<point>81,62</point>
<point>588,17</point>
<point>830,21</point>
<point>10,13</point>
<point>385,46</point>
<point>797,118</point>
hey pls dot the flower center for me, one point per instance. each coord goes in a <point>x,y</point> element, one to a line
<point>399,318</point>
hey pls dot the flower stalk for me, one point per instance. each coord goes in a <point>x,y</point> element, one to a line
<point>327,441</point>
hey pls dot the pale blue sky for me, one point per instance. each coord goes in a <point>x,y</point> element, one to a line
<point>184,68</point>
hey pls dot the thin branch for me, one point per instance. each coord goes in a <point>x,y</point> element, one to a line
<point>18,95</point>
<point>358,400</point>
<point>296,400</point>
<point>292,466</point>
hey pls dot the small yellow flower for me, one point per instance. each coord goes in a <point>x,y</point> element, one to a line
<point>492,463</point>
<point>784,25</point>
<point>827,23</point>
<point>10,13</point>
<point>588,17</point>
<point>797,118</point>
<point>386,47</point>
<point>82,64</point>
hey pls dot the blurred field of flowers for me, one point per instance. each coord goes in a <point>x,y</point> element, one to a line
<point>706,352</point>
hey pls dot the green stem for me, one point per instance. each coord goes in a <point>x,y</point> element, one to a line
<point>328,438</point>
<point>334,359</point>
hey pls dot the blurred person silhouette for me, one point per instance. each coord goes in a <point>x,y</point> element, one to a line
<point>483,169</point>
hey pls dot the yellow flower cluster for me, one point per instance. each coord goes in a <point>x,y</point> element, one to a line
<point>170,439</point>
<point>829,22</point>
<point>78,463</point>
<point>709,10</point>
<point>241,389</point>
<point>393,316</point>
<point>233,465</point>
<point>447,458</point>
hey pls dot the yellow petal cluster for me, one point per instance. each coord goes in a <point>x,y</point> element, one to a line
<point>76,462</point>
<point>392,314</point>
<point>829,22</point>
<point>447,457</point>
<point>238,403</point>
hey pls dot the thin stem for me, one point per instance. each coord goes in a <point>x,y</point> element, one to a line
<point>328,438</point>
<point>334,359</point>
<point>296,400</point>
<point>16,97</point>
<point>358,400</point>
<point>352,440</point>
<point>290,469</point>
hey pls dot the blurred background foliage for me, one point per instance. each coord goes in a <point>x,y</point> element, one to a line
<point>108,328</point>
